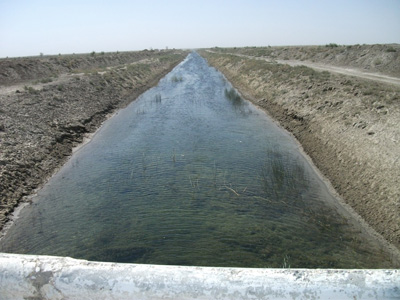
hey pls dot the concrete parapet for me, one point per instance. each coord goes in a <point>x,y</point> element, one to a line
<point>46,277</point>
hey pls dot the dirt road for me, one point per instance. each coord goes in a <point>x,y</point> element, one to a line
<point>324,67</point>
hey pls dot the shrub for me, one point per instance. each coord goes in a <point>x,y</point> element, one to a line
<point>332,45</point>
<point>30,90</point>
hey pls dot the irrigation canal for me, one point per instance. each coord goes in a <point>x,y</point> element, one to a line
<point>191,174</point>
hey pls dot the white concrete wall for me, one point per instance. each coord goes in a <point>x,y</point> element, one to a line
<point>45,277</point>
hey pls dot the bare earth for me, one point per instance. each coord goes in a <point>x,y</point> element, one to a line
<point>346,120</point>
<point>324,67</point>
<point>49,104</point>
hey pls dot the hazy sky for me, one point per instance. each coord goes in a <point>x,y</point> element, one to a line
<point>31,27</point>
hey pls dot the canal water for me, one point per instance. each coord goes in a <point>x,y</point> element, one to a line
<point>191,174</point>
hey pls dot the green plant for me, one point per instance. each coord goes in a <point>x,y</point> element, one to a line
<point>286,263</point>
<point>332,45</point>
<point>390,49</point>
<point>232,95</point>
<point>176,79</point>
<point>30,90</point>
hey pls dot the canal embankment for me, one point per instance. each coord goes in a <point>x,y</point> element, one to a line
<point>49,104</point>
<point>191,174</point>
<point>347,125</point>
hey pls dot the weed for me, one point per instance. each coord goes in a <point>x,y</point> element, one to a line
<point>177,78</point>
<point>390,49</point>
<point>332,45</point>
<point>232,95</point>
<point>46,80</point>
<point>31,90</point>
<point>286,264</point>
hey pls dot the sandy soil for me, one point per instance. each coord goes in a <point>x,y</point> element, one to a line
<point>347,125</point>
<point>49,104</point>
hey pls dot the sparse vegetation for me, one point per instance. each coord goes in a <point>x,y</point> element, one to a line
<point>31,90</point>
<point>46,80</point>
<point>176,78</point>
<point>374,58</point>
<point>332,45</point>
<point>232,95</point>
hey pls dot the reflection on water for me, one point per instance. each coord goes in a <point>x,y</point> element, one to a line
<point>191,174</point>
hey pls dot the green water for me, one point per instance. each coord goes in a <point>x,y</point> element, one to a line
<point>190,174</point>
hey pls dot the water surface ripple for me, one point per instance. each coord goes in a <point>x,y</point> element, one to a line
<point>190,174</point>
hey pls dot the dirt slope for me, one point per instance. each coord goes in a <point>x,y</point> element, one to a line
<point>47,105</point>
<point>355,72</point>
<point>16,70</point>
<point>348,126</point>
<point>383,59</point>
